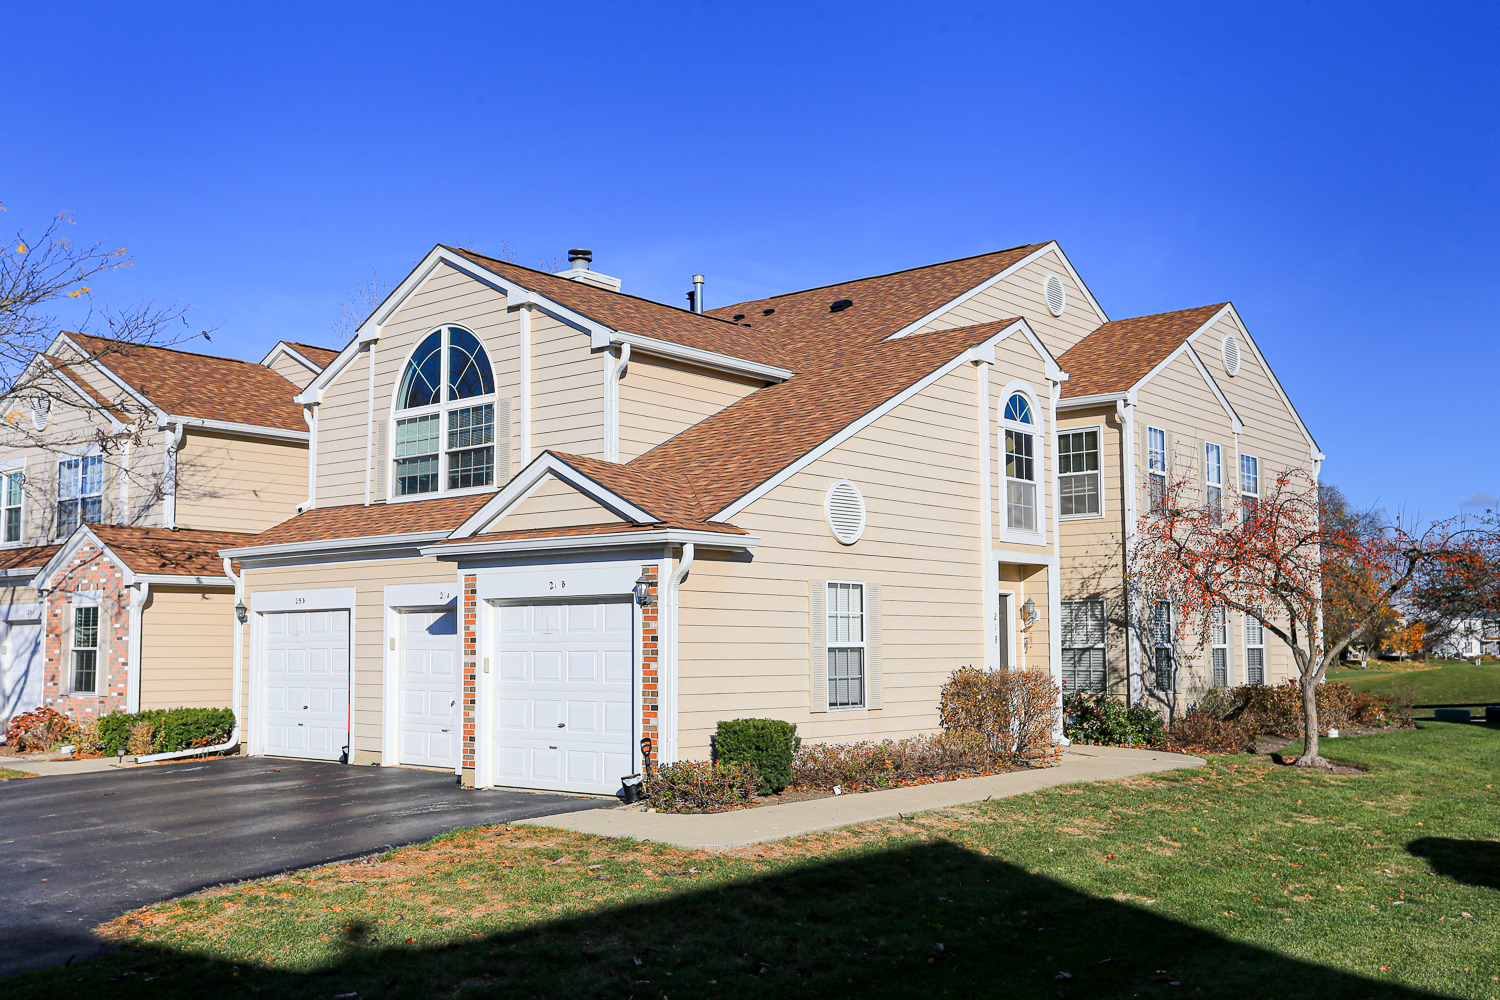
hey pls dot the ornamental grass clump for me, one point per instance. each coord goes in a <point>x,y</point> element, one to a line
<point>1012,712</point>
<point>700,786</point>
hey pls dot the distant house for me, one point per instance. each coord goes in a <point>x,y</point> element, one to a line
<point>123,473</point>
<point>550,522</point>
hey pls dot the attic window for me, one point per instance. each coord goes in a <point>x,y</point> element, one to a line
<point>840,305</point>
<point>844,506</point>
<point>1231,354</point>
<point>1057,295</point>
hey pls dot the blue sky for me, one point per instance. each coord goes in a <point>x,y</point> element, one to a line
<point>1329,168</point>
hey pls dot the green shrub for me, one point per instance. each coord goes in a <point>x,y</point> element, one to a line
<point>172,729</point>
<point>767,745</point>
<point>698,786</point>
<point>1207,734</point>
<point>1101,719</point>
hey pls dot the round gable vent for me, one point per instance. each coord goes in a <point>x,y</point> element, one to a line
<point>1057,295</point>
<point>845,509</point>
<point>1231,354</point>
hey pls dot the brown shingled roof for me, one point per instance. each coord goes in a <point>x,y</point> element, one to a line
<point>882,304</point>
<point>1120,353</point>
<point>320,356</point>
<point>31,557</point>
<point>68,372</point>
<point>583,529</point>
<point>184,552</point>
<point>359,521</point>
<point>667,495</point>
<point>200,385</point>
<point>732,452</point>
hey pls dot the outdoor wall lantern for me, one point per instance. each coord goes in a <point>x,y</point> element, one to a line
<point>1030,609</point>
<point>241,615</point>
<point>643,590</point>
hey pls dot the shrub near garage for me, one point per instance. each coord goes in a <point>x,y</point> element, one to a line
<point>164,730</point>
<point>767,745</point>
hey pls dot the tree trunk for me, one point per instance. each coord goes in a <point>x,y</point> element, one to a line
<point>1310,756</point>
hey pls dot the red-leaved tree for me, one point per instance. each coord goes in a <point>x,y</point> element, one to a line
<point>1267,556</point>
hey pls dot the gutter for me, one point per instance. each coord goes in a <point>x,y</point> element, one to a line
<point>623,539</point>
<point>234,698</point>
<point>409,539</point>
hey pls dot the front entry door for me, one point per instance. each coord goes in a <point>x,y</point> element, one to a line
<point>430,713</point>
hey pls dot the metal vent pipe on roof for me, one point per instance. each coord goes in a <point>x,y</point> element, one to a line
<point>697,293</point>
<point>580,259</point>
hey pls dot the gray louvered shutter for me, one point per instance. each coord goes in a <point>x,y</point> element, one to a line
<point>502,441</point>
<point>380,460</point>
<point>872,646</point>
<point>817,599</point>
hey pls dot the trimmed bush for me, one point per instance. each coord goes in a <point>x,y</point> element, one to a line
<point>1013,712</point>
<point>858,767</point>
<point>1206,734</point>
<point>698,786</point>
<point>1101,719</point>
<point>767,745</point>
<point>166,729</point>
<point>39,730</point>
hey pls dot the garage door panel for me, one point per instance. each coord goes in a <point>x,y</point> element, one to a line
<point>571,666</point>
<point>429,682</point>
<point>307,684</point>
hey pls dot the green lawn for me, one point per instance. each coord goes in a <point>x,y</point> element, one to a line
<point>6,773</point>
<point>1238,880</point>
<point>1451,682</point>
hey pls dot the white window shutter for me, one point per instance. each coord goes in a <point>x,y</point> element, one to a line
<point>380,460</point>
<point>502,442</point>
<point>872,646</point>
<point>818,603</point>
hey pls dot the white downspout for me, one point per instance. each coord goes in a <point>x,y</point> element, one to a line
<point>525,384</point>
<point>236,681</point>
<point>988,571</point>
<point>370,424</point>
<point>310,417</point>
<point>1054,572</point>
<point>1125,410</point>
<point>613,372</point>
<point>133,670</point>
<point>172,442</point>
<point>666,715</point>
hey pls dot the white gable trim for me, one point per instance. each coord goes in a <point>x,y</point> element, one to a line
<point>282,347</point>
<point>528,479</point>
<point>985,285</point>
<point>1234,418</point>
<point>124,386</point>
<point>1312,444</point>
<point>650,538</point>
<point>693,355</point>
<point>88,402</point>
<point>851,429</point>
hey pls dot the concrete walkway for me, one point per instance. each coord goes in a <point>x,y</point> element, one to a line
<point>727,831</point>
<point>64,765</point>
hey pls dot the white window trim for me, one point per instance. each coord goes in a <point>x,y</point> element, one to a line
<point>1209,482</point>
<point>1071,430</point>
<point>1225,646</point>
<point>1245,638</point>
<point>7,469</point>
<point>1240,481</point>
<point>1170,645</point>
<point>87,599</point>
<point>443,409</point>
<point>89,451</point>
<point>1102,645</point>
<point>862,645</point>
<point>1038,430</point>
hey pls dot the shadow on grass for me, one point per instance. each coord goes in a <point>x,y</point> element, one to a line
<point>925,920</point>
<point>1473,862</point>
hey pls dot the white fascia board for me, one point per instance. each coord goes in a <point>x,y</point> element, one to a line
<point>989,283</point>
<point>282,347</point>
<point>17,577</point>
<point>1094,399</point>
<point>521,484</point>
<point>185,580</point>
<point>696,355</point>
<point>1286,400</point>
<point>1050,366</point>
<point>1213,386</point>
<point>853,428</point>
<point>85,400</point>
<point>407,539</point>
<point>104,370</point>
<point>1023,558</point>
<point>612,540</point>
<point>228,427</point>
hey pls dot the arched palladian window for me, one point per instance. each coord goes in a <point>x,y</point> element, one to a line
<point>1020,463</point>
<point>445,414</point>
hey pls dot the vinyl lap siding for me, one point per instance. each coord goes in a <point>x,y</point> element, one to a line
<point>659,399</point>
<point>1022,294</point>
<point>1092,548</point>
<point>554,505</point>
<point>567,390</point>
<point>187,648</point>
<point>237,483</point>
<point>292,370</point>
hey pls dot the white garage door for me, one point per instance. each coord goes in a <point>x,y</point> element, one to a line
<point>307,684</point>
<point>431,719</point>
<point>564,696</point>
<point>20,668</point>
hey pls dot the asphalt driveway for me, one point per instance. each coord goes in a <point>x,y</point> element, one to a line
<point>82,849</point>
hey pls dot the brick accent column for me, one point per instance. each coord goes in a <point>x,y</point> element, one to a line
<point>650,673</point>
<point>89,570</point>
<point>470,669</point>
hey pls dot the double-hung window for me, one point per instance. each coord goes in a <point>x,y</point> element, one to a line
<point>1213,479</point>
<point>1078,473</point>
<point>80,492</point>
<point>11,493</point>
<point>445,416</point>
<point>1083,646</point>
<point>846,645</point>
<point>1156,467</point>
<point>1255,650</point>
<point>1161,634</point>
<point>1020,464</point>
<point>1218,629</point>
<point>1249,486</point>
<point>86,650</point>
